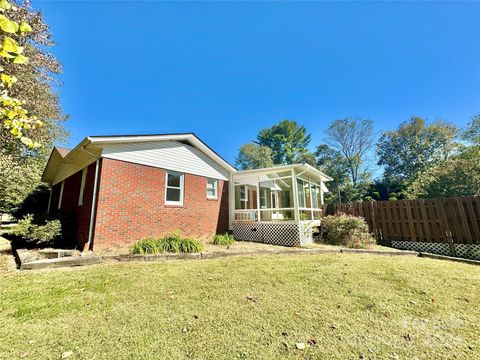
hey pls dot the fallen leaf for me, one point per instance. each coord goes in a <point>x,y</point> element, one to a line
<point>251,298</point>
<point>31,342</point>
<point>25,354</point>
<point>67,354</point>
<point>311,342</point>
<point>413,302</point>
<point>300,346</point>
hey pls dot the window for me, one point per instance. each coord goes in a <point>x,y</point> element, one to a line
<point>263,198</point>
<point>301,193</point>
<point>174,189</point>
<point>60,196</point>
<point>243,193</point>
<point>212,189</point>
<point>82,187</point>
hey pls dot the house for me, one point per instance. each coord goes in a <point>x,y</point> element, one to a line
<point>119,189</point>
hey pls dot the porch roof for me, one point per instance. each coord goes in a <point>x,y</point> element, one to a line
<point>305,168</point>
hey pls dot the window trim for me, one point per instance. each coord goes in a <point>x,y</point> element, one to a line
<point>215,187</point>
<point>82,186</point>
<point>182,177</point>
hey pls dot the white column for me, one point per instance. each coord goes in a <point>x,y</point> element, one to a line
<point>258,198</point>
<point>295,197</point>
<point>231,202</point>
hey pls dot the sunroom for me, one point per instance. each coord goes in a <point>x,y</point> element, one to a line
<point>277,205</point>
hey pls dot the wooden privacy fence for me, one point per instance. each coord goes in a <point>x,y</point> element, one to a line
<point>444,220</point>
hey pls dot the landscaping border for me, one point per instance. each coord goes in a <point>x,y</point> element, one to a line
<point>97,259</point>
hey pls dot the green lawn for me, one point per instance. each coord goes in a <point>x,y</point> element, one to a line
<point>344,306</point>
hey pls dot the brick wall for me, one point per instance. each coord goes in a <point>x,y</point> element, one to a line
<point>80,215</point>
<point>131,206</point>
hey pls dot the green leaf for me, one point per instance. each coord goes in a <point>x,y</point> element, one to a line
<point>5,5</point>
<point>10,45</point>
<point>5,54</point>
<point>24,27</point>
<point>20,59</point>
<point>7,25</point>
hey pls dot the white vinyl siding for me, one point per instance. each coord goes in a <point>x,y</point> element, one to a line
<point>82,186</point>
<point>169,155</point>
<point>59,205</point>
<point>174,188</point>
<point>212,189</point>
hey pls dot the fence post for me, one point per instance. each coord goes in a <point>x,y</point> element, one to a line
<point>450,243</point>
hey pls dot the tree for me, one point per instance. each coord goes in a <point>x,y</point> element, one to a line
<point>253,156</point>
<point>37,80</point>
<point>353,139</point>
<point>20,165</point>
<point>414,147</point>
<point>288,141</point>
<point>472,134</point>
<point>458,176</point>
<point>332,163</point>
<point>18,177</point>
<point>13,116</point>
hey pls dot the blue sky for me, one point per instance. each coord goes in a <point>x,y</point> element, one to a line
<point>226,70</point>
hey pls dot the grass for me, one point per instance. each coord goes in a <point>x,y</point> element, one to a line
<point>344,306</point>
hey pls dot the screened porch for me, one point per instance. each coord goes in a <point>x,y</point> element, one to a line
<point>290,193</point>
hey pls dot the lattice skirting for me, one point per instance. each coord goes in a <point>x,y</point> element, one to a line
<point>469,251</point>
<point>284,234</point>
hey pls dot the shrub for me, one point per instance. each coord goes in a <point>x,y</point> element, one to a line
<point>28,231</point>
<point>36,203</point>
<point>346,230</point>
<point>223,239</point>
<point>171,243</point>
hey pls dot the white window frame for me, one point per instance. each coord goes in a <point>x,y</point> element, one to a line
<point>182,177</point>
<point>59,205</point>
<point>82,186</point>
<point>215,187</point>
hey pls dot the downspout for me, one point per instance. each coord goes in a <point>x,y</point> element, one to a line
<point>87,246</point>
<point>49,200</point>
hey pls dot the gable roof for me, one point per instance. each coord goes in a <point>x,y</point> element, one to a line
<point>62,151</point>
<point>90,148</point>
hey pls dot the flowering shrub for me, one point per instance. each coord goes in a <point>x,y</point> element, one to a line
<point>346,230</point>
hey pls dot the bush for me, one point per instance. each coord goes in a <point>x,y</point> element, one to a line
<point>172,243</point>
<point>223,239</point>
<point>30,232</point>
<point>346,230</point>
<point>35,203</point>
